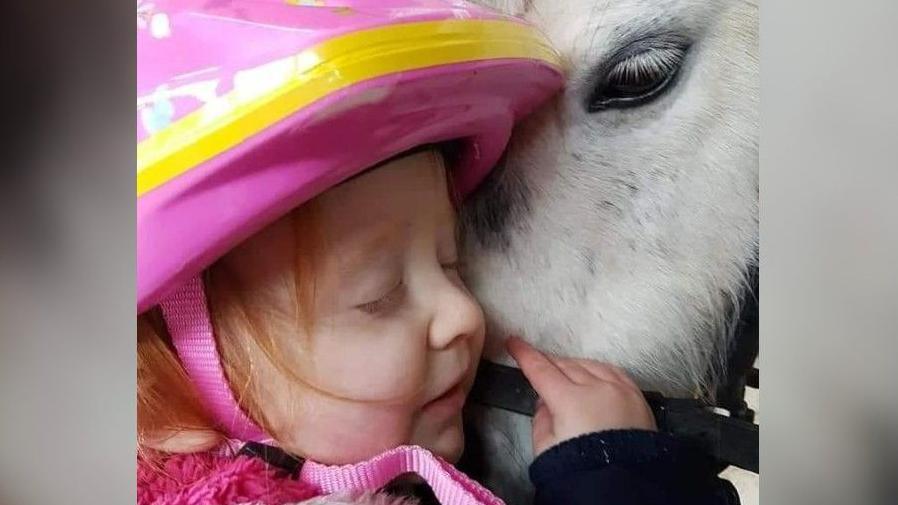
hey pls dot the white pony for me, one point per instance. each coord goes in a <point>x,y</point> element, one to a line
<point>624,219</point>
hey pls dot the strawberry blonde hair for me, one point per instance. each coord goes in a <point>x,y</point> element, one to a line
<point>167,402</point>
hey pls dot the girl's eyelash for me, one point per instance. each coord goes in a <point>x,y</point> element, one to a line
<point>395,295</point>
<point>453,265</point>
<point>385,302</point>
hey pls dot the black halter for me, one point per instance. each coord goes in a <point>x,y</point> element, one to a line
<point>731,439</point>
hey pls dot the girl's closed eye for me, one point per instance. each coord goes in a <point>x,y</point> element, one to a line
<point>454,268</point>
<point>451,265</point>
<point>388,301</point>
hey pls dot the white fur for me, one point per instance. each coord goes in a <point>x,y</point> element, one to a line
<point>638,226</point>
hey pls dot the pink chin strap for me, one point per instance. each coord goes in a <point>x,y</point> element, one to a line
<point>450,486</point>
<point>186,315</point>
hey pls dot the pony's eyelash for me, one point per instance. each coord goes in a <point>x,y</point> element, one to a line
<point>647,65</point>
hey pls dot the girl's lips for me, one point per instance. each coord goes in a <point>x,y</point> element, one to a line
<point>449,402</point>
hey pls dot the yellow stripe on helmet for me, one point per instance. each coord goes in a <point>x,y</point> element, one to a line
<point>281,87</point>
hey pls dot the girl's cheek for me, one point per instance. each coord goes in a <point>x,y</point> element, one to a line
<point>387,367</point>
<point>337,431</point>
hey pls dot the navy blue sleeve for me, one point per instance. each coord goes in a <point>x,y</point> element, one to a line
<point>628,467</point>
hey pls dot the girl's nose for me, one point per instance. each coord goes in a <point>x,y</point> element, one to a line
<point>456,315</point>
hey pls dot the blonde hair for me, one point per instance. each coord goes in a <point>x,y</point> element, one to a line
<point>167,403</point>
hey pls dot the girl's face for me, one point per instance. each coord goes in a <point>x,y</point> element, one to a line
<point>395,336</point>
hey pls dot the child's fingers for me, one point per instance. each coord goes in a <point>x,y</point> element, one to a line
<point>625,377</point>
<point>608,372</point>
<point>545,377</point>
<point>596,370</point>
<point>574,370</point>
<point>542,429</point>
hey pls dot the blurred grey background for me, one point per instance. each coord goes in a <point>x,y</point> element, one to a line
<point>829,247</point>
<point>67,364</point>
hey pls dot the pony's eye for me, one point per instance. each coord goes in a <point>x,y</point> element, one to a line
<point>639,77</point>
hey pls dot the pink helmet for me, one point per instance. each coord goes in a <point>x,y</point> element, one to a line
<point>247,109</point>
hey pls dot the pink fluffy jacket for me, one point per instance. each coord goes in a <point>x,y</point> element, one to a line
<point>212,479</point>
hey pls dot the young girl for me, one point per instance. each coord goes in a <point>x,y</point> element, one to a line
<point>304,333</point>
<point>343,328</point>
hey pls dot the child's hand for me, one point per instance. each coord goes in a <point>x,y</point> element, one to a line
<point>578,396</point>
